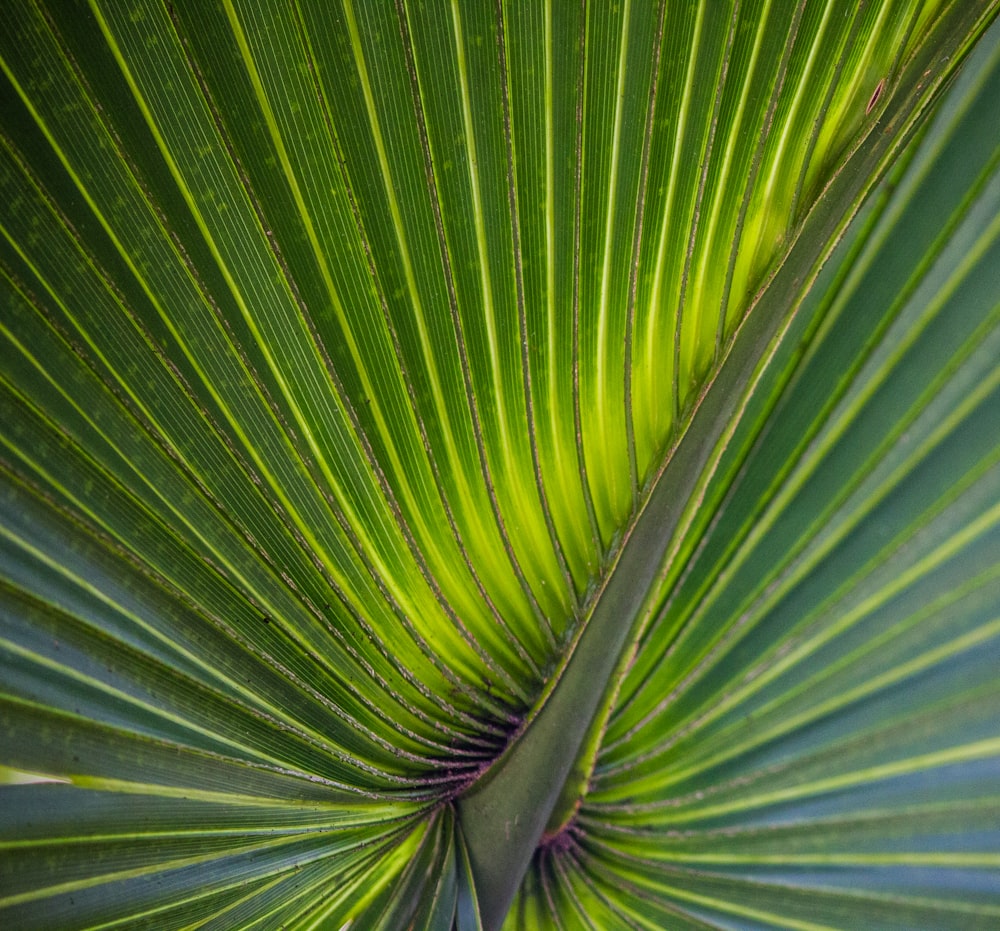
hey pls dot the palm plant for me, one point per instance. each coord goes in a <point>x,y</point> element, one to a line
<point>528,464</point>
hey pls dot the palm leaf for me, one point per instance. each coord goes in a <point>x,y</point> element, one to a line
<point>458,456</point>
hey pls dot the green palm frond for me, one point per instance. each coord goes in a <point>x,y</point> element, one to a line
<point>523,464</point>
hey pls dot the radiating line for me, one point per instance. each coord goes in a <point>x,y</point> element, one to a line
<point>605,345</point>
<point>943,551</point>
<point>596,867</point>
<point>273,609</point>
<point>429,694</point>
<point>398,354</point>
<point>368,555</point>
<point>157,433</point>
<point>676,162</point>
<point>576,857</point>
<point>848,48</point>
<point>980,636</point>
<point>543,500</point>
<point>346,524</point>
<point>750,185</point>
<point>543,871</point>
<point>308,849</point>
<point>779,161</point>
<point>559,868</point>
<point>275,714</point>
<point>947,549</point>
<point>211,670</point>
<point>497,616</point>
<point>683,892</point>
<point>832,430</point>
<point>544,624</point>
<point>637,234</point>
<point>796,567</point>
<point>706,156</point>
<point>286,390</point>
<point>320,255</point>
<point>581,456</point>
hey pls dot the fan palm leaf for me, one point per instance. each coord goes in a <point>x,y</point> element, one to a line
<point>468,465</point>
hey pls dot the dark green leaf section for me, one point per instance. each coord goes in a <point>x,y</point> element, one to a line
<point>806,734</point>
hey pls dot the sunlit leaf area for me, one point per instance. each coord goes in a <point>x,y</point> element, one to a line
<point>524,464</point>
